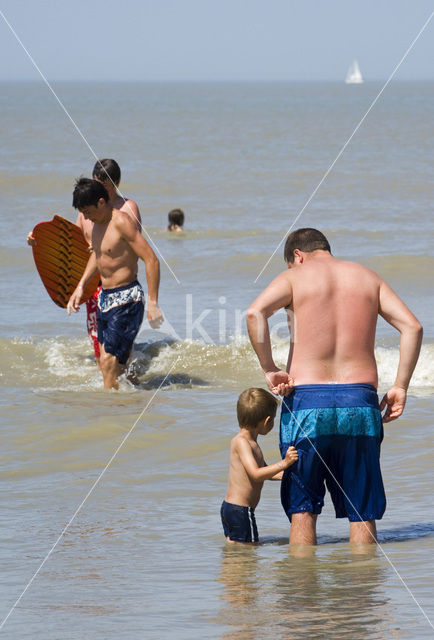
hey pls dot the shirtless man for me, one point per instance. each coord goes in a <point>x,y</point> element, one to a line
<point>332,416</point>
<point>108,172</point>
<point>117,244</point>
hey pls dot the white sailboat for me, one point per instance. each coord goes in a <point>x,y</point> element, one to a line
<point>354,76</point>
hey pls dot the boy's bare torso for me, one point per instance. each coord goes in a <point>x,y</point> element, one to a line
<point>120,203</point>
<point>116,260</point>
<point>117,263</point>
<point>241,489</point>
<point>333,318</point>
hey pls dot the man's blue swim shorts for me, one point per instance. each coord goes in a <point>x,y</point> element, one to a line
<point>119,315</point>
<point>238,522</point>
<point>337,431</point>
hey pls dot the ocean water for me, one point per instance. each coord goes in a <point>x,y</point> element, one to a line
<point>134,479</point>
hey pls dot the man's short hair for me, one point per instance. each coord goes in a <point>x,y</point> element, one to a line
<point>306,240</point>
<point>255,404</point>
<point>176,217</point>
<point>107,169</point>
<point>87,193</point>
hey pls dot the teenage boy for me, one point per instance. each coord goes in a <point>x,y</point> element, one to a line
<point>116,246</point>
<point>108,172</point>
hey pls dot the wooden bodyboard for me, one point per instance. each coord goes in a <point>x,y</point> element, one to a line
<point>61,254</point>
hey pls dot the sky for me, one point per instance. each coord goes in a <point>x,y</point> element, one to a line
<point>215,40</point>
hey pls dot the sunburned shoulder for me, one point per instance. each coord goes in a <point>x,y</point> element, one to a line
<point>331,263</point>
<point>357,268</point>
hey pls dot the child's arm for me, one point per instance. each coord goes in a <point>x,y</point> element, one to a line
<point>277,476</point>
<point>293,455</point>
<point>259,474</point>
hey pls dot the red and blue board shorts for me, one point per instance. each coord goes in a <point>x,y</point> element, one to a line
<point>92,323</point>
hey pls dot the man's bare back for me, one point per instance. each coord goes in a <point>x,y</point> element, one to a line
<point>334,307</point>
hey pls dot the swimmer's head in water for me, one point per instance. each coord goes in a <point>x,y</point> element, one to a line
<point>176,218</point>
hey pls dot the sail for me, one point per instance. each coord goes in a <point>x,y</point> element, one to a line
<point>354,76</point>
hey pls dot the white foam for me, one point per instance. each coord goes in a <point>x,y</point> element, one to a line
<point>203,358</point>
<point>387,362</point>
<point>69,363</point>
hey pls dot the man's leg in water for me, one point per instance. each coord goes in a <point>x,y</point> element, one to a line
<point>110,368</point>
<point>303,528</point>
<point>363,532</point>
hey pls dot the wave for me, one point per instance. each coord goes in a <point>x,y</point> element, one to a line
<point>423,376</point>
<point>66,364</point>
<point>238,360</point>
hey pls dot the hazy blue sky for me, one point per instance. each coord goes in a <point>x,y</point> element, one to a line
<point>215,39</point>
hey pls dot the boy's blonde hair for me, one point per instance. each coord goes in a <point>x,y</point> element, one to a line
<point>254,405</point>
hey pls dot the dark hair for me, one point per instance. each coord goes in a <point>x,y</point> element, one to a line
<point>107,169</point>
<point>306,240</point>
<point>87,192</point>
<point>176,217</point>
<point>254,405</point>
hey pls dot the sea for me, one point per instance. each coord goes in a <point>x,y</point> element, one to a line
<point>110,501</point>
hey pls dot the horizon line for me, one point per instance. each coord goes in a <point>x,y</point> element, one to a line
<point>212,80</point>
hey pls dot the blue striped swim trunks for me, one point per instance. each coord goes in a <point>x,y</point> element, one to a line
<point>337,431</point>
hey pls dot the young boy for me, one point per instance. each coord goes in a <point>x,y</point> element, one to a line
<point>256,410</point>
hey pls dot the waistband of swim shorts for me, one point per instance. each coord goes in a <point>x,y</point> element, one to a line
<point>238,506</point>
<point>109,299</point>
<point>322,396</point>
<point>122,288</point>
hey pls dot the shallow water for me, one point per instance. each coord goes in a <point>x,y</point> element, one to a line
<point>144,556</point>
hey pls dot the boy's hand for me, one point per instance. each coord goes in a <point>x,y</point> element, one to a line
<point>154,314</point>
<point>74,300</point>
<point>291,456</point>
